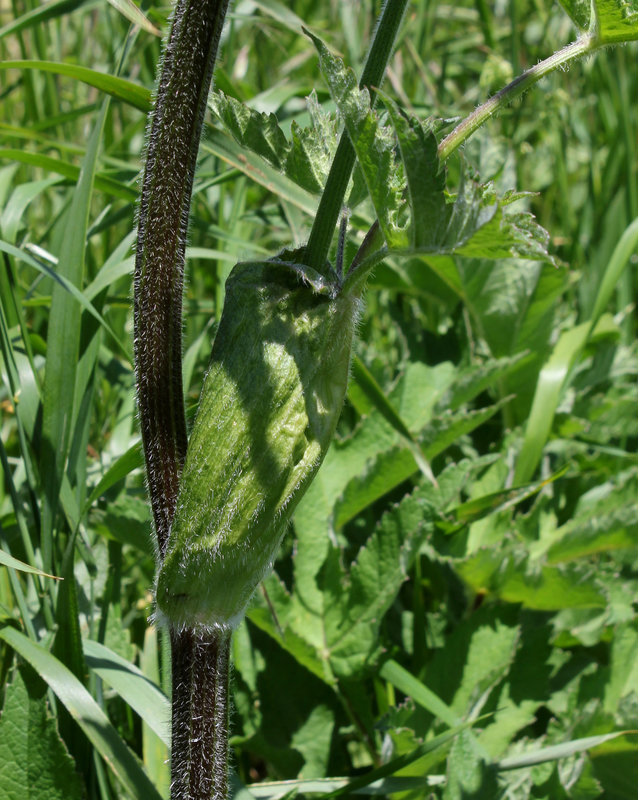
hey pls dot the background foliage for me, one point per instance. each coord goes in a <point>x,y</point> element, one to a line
<point>400,610</point>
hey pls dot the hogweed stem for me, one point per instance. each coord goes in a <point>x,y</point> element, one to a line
<point>199,752</point>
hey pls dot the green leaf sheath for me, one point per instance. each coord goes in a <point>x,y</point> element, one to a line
<point>267,414</point>
<point>173,144</point>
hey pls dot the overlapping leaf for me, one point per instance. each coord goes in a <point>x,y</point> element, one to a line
<point>474,222</point>
<point>305,159</point>
<point>610,21</point>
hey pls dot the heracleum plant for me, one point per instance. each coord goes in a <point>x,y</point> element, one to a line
<point>279,366</point>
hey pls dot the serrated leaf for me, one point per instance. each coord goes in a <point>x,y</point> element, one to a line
<point>469,774</point>
<point>475,224</point>
<point>474,658</point>
<point>353,612</point>
<point>373,144</point>
<point>34,763</point>
<point>305,159</point>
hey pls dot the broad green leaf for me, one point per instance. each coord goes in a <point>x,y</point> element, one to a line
<point>34,763</point>
<point>127,520</point>
<point>388,468</point>
<point>605,519</point>
<point>623,678</point>
<point>474,658</point>
<point>85,711</point>
<point>510,575</point>
<point>579,12</point>
<point>414,398</point>
<point>119,88</point>
<point>615,21</point>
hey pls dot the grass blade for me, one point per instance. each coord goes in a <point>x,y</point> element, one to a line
<point>132,685</point>
<point>119,88</point>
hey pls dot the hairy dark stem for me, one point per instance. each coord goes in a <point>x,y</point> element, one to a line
<point>199,762</point>
<point>199,751</point>
<point>174,136</point>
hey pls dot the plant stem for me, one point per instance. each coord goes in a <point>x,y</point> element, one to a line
<point>517,87</point>
<point>175,131</point>
<point>199,751</point>
<point>334,192</point>
<point>199,747</point>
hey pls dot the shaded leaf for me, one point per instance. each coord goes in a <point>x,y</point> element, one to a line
<point>34,763</point>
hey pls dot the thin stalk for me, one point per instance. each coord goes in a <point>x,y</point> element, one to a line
<point>517,87</point>
<point>334,192</point>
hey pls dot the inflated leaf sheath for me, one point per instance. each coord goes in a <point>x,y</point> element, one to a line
<point>268,411</point>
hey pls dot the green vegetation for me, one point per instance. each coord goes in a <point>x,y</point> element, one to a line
<point>452,612</point>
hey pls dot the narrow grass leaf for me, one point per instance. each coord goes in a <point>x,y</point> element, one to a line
<point>143,696</point>
<point>555,374</point>
<point>156,752</point>
<point>58,415</point>
<point>22,196</point>
<point>405,682</point>
<point>40,14</point>
<point>133,14</point>
<point>119,88</point>
<point>60,279</point>
<point>439,742</point>
<point>70,171</point>
<point>131,460</point>
<point>556,751</point>
<point>86,712</point>
<point>14,563</point>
